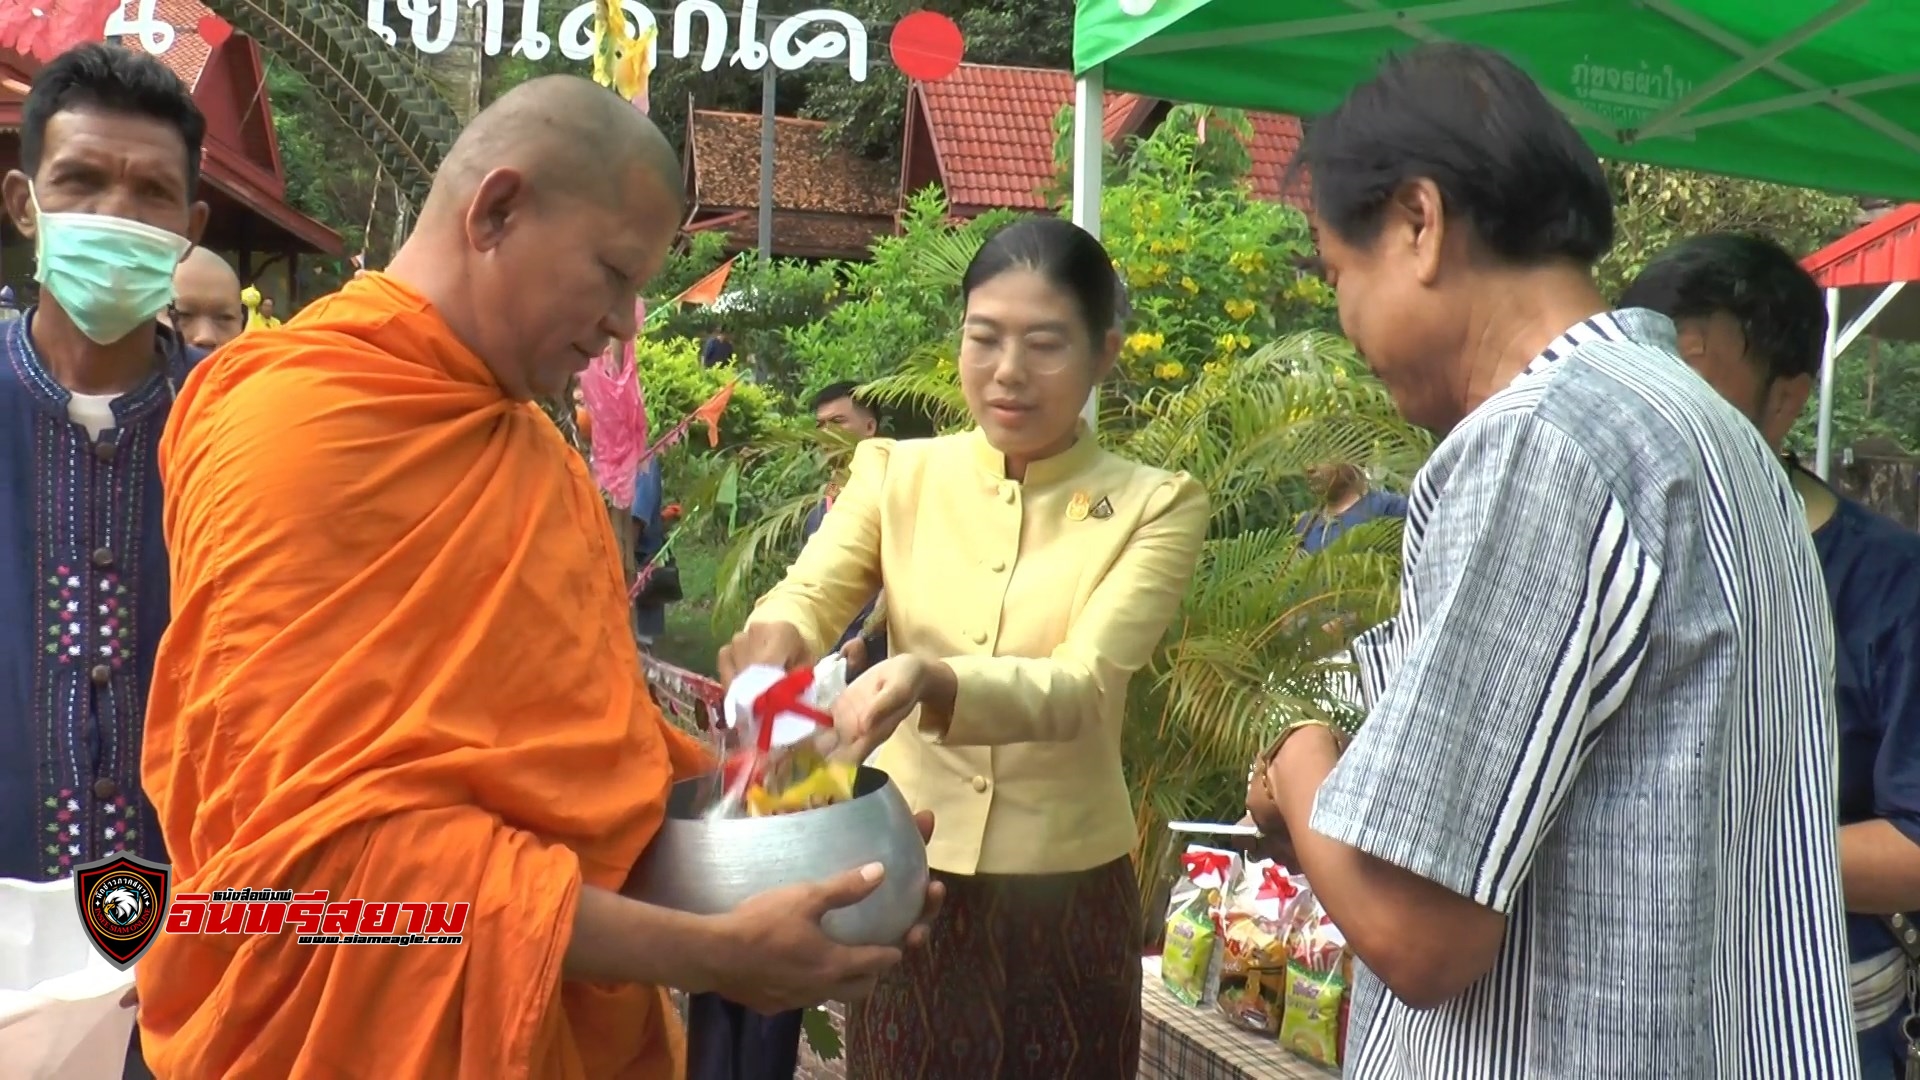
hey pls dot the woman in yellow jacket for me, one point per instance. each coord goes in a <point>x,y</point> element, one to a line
<point>1029,573</point>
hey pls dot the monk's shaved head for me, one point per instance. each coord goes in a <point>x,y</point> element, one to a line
<point>555,205</point>
<point>206,300</point>
<point>567,134</point>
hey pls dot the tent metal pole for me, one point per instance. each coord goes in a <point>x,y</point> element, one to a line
<point>1823,452</point>
<point>1089,173</point>
<point>1867,315</point>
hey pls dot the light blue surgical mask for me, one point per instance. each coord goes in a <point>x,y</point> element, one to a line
<point>110,275</point>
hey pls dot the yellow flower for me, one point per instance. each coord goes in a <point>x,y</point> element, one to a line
<point>1172,369</point>
<point>1232,343</point>
<point>1239,310</point>
<point>1213,367</point>
<point>1142,342</point>
<point>1190,285</point>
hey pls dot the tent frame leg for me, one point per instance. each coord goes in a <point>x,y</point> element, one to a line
<point>1089,176</point>
<point>1838,341</point>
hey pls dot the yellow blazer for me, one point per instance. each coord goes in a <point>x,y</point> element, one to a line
<point>1045,596</point>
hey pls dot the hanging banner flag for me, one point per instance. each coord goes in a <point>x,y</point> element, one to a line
<point>709,413</point>
<point>708,289</point>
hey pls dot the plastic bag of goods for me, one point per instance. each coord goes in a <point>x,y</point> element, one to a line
<point>1190,959</point>
<point>777,742</point>
<point>1260,908</point>
<point>1317,980</point>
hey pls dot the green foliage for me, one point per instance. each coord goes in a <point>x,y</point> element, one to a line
<point>1876,395</point>
<point>764,300</point>
<point>1653,207</point>
<point>902,302</point>
<point>1211,270</point>
<point>676,383</point>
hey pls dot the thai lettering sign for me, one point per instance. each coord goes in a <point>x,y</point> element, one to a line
<point>699,28</point>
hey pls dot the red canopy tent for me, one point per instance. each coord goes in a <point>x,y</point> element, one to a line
<point>1865,274</point>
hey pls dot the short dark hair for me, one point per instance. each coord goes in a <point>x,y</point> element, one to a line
<point>848,389</point>
<point>1469,120</point>
<point>1063,253</point>
<point>113,79</point>
<point>1756,281</point>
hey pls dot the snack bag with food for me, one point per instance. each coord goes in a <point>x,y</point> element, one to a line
<point>1316,990</point>
<point>782,736</point>
<point>1189,959</point>
<point>1253,967</point>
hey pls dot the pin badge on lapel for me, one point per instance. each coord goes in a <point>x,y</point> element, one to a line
<point>1102,510</point>
<point>1077,506</point>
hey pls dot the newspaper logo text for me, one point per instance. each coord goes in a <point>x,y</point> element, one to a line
<point>315,919</point>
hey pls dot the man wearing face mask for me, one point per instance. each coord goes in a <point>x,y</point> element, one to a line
<point>109,154</point>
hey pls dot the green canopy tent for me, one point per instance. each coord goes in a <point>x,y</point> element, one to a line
<point>1801,92</point>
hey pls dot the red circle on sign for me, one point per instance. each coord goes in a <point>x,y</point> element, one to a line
<point>926,45</point>
<point>213,30</point>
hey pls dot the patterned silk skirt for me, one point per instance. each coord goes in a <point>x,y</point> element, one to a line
<point>1027,977</point>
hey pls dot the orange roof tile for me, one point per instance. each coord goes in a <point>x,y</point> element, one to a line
<point>993,127</point>
<point>188,55</point>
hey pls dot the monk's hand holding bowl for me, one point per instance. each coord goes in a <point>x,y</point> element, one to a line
<point>775,643</point>
<point>788,960</point>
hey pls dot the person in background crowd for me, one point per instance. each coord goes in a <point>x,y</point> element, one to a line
<point>717,349</point>
<point>206,310</point>
<point>1587,827</point>
<point>650,541</point>
<point>106,193</point>
<point>1029,574</point>
<point>259,309</point>
<point>1753,322</point>
<point>841,406</point>
<point>1345,502</point>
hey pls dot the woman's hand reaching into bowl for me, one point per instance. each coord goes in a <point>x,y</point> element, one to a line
<point>887,693</point>
<point>774,643</point>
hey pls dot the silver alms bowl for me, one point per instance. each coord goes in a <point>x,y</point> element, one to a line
<point>709,867</point>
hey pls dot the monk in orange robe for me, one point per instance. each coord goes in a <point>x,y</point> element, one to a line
<point>400,668</point>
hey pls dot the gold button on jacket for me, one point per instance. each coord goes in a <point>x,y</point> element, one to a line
<point>1043,609</point>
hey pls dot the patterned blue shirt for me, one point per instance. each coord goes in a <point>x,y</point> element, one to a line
<point>1605,710</point>
<point>83,601</point>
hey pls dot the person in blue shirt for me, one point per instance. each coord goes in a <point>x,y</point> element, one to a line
<point>650,539</point>
<point>1753,323</point>
<point>110,145</point>
<point>1345,501</point>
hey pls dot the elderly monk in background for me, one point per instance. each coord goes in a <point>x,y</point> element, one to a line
<point>400,668</point>
<point>206,310</point>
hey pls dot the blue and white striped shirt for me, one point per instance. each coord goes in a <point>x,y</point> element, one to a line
<point>1605,710</point>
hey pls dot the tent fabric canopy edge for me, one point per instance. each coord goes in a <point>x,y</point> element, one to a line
<point>1797,91</point>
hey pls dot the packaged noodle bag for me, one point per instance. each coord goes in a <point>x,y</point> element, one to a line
<point>1260,909</point>
<point>1316,990</point>
<point>1189,959</point>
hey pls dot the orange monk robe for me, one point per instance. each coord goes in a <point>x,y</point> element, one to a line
<point>399,670</point>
